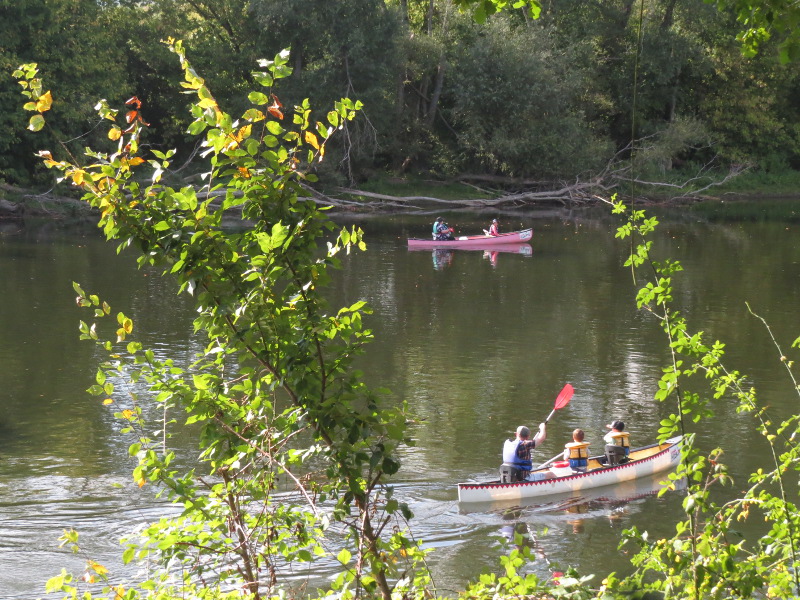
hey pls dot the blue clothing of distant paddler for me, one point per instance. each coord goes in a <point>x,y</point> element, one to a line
<point>441,230</point>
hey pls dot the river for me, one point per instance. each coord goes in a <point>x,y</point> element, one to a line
<point>477,343</point>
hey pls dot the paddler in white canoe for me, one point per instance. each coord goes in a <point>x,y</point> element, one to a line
<point>576,470</point>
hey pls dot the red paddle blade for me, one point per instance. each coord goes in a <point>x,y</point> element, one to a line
<point>564,397</point>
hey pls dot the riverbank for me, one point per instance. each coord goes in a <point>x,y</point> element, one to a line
<point>398,194</point>
<point>18,203</point>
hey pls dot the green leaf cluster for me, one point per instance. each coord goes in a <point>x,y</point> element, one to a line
<point>291,440</point>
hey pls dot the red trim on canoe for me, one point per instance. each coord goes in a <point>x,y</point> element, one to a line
<point>498,485</point>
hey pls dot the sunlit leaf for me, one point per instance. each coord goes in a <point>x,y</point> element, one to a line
<point>258,97</point>
<point>36,123</point>
<point>98,568</point>
<point>312,139</point>
<point>275,108</point>
<point>44,102</point>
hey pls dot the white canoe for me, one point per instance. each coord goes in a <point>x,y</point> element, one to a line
<point>647,460</point>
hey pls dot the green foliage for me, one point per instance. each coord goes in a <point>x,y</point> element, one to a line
<point>493,86</point>
<point>516,101</point>
<point>334,53</point>
<point>761,20</point>
<point>291,439</point>
<point>702,560</point>
<point>481,9</point>
<point>75,44</point>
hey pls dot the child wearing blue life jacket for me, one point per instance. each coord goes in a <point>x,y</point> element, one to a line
<point>577,452</point>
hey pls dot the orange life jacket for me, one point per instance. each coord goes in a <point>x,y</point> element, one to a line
<point>578,450</point>
<point>621,438</point>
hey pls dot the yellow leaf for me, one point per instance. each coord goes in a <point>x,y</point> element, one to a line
<point>44,102</point>
<point>98,568</point>
<point>244,133</point>
<point>207,103</point>
<point>136,160</point>
<point>312,139</point>
<point>108,401</point>
<point>77,176</point>
<point>127,414</point>
<point>140,482</point>
<point>114,133</point>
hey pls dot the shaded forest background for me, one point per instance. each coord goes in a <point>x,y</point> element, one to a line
<point>548,101</point>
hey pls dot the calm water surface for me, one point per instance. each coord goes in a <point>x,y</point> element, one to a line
<point>477,343</point>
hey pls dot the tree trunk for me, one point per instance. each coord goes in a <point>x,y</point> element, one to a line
<point>429,17</point>
<point>669,15</point>
<point>437,92</point>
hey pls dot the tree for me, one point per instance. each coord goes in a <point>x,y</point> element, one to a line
<point>280,405</point>
<point>277,396</point>
<point>333,53</point>
<point>761,20</point>
<point>73,42</point>
<point>517,102</point>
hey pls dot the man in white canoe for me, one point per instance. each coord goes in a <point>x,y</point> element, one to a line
<point>517,462</point>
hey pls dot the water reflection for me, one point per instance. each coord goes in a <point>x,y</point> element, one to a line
<point>443,257</point>
<point>520,536</point>
<point>587,503</point>
<point>474,351</point>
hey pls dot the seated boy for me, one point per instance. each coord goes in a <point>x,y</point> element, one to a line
<point>577,452</point>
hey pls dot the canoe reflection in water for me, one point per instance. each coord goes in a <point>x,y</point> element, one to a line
<point>587,503</point>
<point>575,510</point>
<point>443,257</point>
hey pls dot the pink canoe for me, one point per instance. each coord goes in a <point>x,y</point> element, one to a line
<point>475,241</point>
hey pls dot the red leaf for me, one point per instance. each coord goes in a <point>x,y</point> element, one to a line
<point>134,100</point>
<point>275,108</point>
